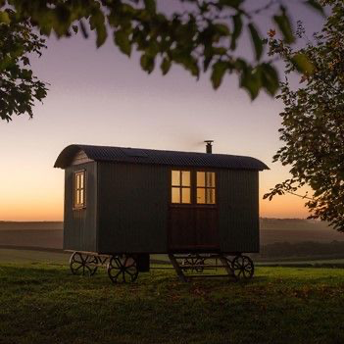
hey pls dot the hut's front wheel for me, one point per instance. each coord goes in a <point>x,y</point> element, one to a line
<point>122,269</point>
<point>243,267</point>
<point>83,264</point>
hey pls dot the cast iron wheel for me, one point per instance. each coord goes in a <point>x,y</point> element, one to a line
<point>195,261</point>
<point>122,269</point>
<point>243,267</point>
<point>82,264</point>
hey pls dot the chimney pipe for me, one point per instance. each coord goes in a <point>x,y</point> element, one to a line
<point>209,146</point>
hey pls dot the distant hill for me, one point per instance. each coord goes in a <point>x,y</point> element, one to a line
<point>35,225</point>
<point>49,234</point>
<point>265,224</point>
<point>296,230</point>
<point>277,224</point>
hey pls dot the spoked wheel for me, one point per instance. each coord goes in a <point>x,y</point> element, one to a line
<point>122,269</point>
<point>82,264</point>
<point>243,267</point>
<point>195,261</point>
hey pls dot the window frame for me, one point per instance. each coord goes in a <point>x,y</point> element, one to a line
<point>181,187</point>
<point>80,206</point>
<point>193,188</point>
<point>205,187</point>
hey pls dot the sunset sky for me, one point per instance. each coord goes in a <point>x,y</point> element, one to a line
<point>102,97</point>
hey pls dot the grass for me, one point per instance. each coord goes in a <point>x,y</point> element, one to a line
<point>41,302</point>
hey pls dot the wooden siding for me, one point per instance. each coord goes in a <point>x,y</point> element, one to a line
<point>133,205</point>
<point>238,202</point>
<point>80,224</point>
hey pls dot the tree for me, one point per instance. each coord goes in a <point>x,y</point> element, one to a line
<point>204,35</point>
<point>19,88</point>
<point>312,120</point>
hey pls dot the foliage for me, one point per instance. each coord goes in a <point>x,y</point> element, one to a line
<point>312,120</point>
<point>203,36</point>
<point>19,88</point>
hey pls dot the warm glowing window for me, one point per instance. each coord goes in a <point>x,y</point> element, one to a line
<point>181,187</point>
<point>205,187</point>
<point>79,189</point>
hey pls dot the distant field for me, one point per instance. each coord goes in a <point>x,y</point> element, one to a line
<point>33,257</point>
<point>43,303</point>
<point>28,237</point>
<point>49,234</point>
<point>38,225</point>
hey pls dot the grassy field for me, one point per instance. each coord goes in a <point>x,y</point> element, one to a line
<point>41,302</point>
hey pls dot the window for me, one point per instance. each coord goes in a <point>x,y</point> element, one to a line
<point>79,189</point>
<point>205,187</point>
<point>181,187</point>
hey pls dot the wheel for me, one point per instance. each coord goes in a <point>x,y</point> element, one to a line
<point>199,264</point>
<point>82,264</point>
<point>243,267</point>
<point>195,262</point>
<point>122,269</point>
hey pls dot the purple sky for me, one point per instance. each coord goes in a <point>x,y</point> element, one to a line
<point>103,97</point>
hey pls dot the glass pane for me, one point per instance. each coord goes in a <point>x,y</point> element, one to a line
<point>186,195</point>
<point>82,180</point>
<point>175,195</point>
<point>76,181</point>
<point>186,178</point>
<point>82,201</point>
<point>210,196</point>
<point>176,178</point>
<point>200,178</point>
<point>211,179</point>
<point>200,196</point>
<point>77,198</point>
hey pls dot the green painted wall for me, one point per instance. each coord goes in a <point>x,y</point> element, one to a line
<point>238,200</point>
<point>80,225</point>
<point>133,204</point>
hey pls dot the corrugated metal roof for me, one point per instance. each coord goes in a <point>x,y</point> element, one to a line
<point>158,157</point>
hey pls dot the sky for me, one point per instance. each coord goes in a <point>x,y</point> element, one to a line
<point>101,97</point>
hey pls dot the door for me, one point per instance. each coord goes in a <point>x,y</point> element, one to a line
<point>193,229</point>
<point>193,215</point>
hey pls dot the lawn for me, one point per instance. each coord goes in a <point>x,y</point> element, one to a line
<point>43,303</point>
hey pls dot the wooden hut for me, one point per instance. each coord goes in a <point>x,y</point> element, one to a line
<point>135,202</point>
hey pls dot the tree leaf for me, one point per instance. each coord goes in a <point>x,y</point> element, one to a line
<point>256,40</point>
<point>303,64</point>
<point>316,6</point>
<point>147,63</point>
<point>284,25</point>
<point>123,42</point>
<point>237,23</point>
<point>270,79</point>
<point>222,29</point>
<point>219,70</point>
<point>165,65</point>
<point>251,81</point>
<point>150,6</point>
<point>4,18</point>
<point>97,22</point>
<point>231,3</point>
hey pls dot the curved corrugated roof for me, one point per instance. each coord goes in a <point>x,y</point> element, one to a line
<point>158,157</point>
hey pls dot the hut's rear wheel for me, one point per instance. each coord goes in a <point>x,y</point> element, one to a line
<point>83,264</point>
<point>243,267</point>
<point>122,269</point>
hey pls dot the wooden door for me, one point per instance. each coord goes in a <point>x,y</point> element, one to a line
<point>193,228</point>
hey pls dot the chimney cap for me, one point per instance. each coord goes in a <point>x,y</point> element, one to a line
<point>209,146</point>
